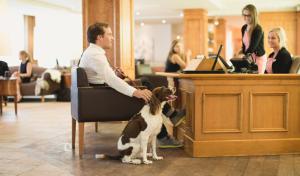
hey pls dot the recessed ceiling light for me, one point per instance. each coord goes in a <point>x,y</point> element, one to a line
<point>137,13</point>
<point>178,37</point>
<point>163,21</point>
<point>142,24</point>
<point>181,14</point>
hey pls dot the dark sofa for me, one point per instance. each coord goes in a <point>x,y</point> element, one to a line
<point>28,89</point>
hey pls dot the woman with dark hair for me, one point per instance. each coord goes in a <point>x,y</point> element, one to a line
<point>176,59</point>
<point>280,60</point>
<point>25,71</point>
<point>253,38</point>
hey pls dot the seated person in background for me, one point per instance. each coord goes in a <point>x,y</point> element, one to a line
<point>99,71</point>
<point>25,71</point>
<point>176,59</point>
<point>3,68</point>
<point>280,60</point>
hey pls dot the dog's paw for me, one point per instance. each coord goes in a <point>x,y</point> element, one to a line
<point>149,154</point>
<point>133,161</point>
<point>158,157</point>
<point>136,161</point>
<point>147,162</point>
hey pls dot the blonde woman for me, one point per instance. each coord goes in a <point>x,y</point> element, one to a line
<point>280,60</point>
<point>253,37</point>
<point>177,60</point>
<point>25,71</point>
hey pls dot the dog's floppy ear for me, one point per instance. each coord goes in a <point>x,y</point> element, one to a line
<point>154,104</point>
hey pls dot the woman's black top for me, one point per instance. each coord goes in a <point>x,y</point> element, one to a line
<point>283,61</point>
<point>170,67</point>
<point>23,69</point>
<point>256,42</point>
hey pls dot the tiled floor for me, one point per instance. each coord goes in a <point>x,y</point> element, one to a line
<point>37,142</point>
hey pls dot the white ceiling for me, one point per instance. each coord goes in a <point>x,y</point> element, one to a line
<point>73,5</point>
<point>171,9</point>
<point>150,9</point>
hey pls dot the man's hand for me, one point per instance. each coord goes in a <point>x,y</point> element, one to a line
<point>144,94</point>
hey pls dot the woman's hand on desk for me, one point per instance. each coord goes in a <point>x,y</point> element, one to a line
<point>241,55</point>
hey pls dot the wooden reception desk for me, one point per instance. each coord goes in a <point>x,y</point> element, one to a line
<point>239,114</point>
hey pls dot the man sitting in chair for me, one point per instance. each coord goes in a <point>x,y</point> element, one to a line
<point>99,72</point>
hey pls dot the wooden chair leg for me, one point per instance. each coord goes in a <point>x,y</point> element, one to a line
<point>5,100</point>
<point>42,99</point>
<point>73,133</point>
<point>81,138</point>
<point>96,127</point>
<point>16,105</point>
<point>1,105</point>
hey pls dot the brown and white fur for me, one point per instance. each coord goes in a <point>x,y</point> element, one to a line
<point>143,129</point>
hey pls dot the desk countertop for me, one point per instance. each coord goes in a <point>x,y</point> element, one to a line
<point>232,76</point>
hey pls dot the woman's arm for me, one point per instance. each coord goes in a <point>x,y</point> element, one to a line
<point>284,62</point>
<point>29,71</point>
<point>256,37</point>
<point>243,45</point>
<point>178,60</point>
<point>188,56</point>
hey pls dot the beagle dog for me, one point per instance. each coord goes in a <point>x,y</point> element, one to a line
<point>143,129</point>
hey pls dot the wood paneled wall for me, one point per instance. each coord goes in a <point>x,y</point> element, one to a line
<point>196,31</point>
<point>221,33</point>
<point>287,20</point>
<point>119,15</point>
<point>298,34</point>
<point>29,24</point>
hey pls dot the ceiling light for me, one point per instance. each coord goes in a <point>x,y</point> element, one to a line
<point>137,13</point>
<point>163,21</point>
<point>181,14</point>
<point>178,37</point>
<point>142,24</point>
<point>216,21</point>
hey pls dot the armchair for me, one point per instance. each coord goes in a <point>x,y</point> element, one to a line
<point>97,104</point>
<point>144,71</point>
<point>295,67</point>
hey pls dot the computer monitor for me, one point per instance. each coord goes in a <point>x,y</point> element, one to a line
<point>216,59</point>
<point>206,64</point>
<point>223,62</point>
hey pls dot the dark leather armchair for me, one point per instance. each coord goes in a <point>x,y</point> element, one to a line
<point>97,104</point>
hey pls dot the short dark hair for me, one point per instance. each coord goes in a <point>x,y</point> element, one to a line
<point>94,30</point>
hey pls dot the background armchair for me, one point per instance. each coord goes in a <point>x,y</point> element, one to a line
<point>145,71</point>
<point>295,68</point>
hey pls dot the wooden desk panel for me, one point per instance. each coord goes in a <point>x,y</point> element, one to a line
<point>8,87</point>
<point>231,115</point>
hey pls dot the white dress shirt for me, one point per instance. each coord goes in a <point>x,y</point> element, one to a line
<point>99,71</point>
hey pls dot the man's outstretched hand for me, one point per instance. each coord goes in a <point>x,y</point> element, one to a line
<point>145,94</point>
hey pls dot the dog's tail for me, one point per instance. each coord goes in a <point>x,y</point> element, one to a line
<point>109,157</point>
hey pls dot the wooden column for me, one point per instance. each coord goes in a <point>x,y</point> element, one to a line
<point>29,24</point>
<point>119,15</point>
<point>298,34</point>
<point>196,31</point>
<point>220,34</point>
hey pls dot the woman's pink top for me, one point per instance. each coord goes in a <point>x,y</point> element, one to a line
<point>259,60</point>
<point>270,63</point>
